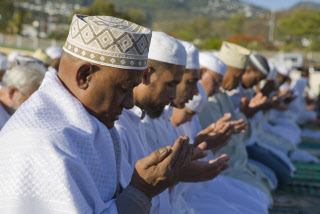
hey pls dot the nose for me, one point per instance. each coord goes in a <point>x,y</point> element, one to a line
<point>195,91</point>
<point>173,94</point>
<point>128,101</point>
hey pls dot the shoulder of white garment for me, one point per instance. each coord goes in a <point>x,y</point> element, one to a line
<point>136,110</point>
<point>167,112</point>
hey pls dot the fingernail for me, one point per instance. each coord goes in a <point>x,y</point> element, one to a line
<point>162,150</point>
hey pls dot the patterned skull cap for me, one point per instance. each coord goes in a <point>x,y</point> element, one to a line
<point>108,41</point>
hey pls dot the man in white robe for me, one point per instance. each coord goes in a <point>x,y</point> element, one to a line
<point>19,83</point>
<point>235,57</point>
<point>161,130</point>
<point>60,151</point>
<point>133,133</point>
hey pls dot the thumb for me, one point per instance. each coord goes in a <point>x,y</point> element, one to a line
<point>244,100</point>
<point>156,157</point>
<point>227,115</point>
<point>199,151</point>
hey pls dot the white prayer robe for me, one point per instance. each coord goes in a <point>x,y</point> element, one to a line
<point>161,131</point>
<point>134,147</point>
<point>298,111</point>
<point>215,108</point>
<point>240,195</point>
<point>57,158</point>
<point>4,116</point>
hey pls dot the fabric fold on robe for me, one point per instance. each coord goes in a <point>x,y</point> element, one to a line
<point>55,157</point>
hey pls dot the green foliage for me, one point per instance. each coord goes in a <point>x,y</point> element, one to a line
<point>301,22</point>
<point>235,23</point>
<point>106,8</point>
<point>136,16</point>
<point>99,7</point>
<point>200,28</point>
<point>211,43</point>
<point>6,11</point>
<point>15,24</point>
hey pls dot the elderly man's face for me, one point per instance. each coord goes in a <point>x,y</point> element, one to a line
<point>187,88</point>
<point>12,98</point>
<point>161,91</point>
<point>110,90</point>
<point>232,78</point>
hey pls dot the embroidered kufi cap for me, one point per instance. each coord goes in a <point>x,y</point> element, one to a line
<point>198,101</point>
<point>4,64</point>
<point>210,61</point>
<point>108,41</point>
<point>234,55</point>
<point>54,52</point>
<point>165,48</point>
<point>192,55</point>
<point>260,63</point>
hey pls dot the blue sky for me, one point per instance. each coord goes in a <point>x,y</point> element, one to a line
<point>276,4</point>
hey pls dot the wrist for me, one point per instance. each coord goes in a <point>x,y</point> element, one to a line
<point>141,189</point>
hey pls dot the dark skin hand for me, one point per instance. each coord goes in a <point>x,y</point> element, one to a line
<point>216,136</point>
<point>161,169</point>
<point>279,102</point>
<point>251,107</point>
<point>239,126</point>
<point>199,171</point>
<point>268,88</point>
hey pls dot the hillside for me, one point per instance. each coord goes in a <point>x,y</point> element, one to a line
<point>309,5</point>
<point>188,9</point>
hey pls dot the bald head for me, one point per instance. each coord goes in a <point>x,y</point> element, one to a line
<point>104,91</point>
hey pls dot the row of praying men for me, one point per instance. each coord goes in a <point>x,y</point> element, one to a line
<point>132,121</point>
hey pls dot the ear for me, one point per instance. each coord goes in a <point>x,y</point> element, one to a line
<point>11,92</point>
<point>147,75</point>
<point>84,75</point>
<point>202,71</point>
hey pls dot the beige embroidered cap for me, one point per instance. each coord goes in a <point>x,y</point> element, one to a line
<point>108,41</point>
<point>234,55</point>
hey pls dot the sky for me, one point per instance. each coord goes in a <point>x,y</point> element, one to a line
<point>276,4</point>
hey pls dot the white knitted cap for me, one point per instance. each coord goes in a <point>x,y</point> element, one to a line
<point>210,61</point>
<point>165,48</point>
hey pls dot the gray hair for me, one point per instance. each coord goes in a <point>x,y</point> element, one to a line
<point>24,78</point>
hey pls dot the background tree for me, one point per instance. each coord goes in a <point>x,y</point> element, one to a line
<point>11,18</point>
<point>102,7</point>
<point>235,23</point>
<point>301,23</point>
